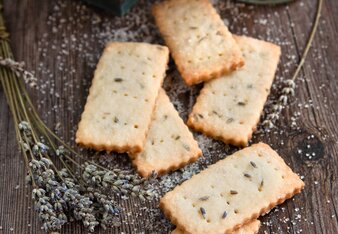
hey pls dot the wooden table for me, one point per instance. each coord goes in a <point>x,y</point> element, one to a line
<point>62,40</point>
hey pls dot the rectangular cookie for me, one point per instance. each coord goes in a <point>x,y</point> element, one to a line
<point>231,192</point>
<point>169,144</point>
<point>200,43</point>
<point>122,97</point>
<point>229,108</point>
<point>249,228</point>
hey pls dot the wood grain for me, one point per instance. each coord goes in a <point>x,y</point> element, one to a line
<point>315,107</point>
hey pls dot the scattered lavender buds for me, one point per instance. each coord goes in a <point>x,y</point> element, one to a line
<point>253,164</point>
<point>277,108</point>
<point>233,192</point>
<point>247,175</point>
<point>261,186</point>
<point>204,198</point>
<point>203,212</point>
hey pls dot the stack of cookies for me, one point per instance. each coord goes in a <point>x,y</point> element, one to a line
<point>127,111</point>
<point>238,71</point>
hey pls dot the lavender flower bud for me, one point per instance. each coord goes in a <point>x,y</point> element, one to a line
<point>283,99</point>
<point>290,83</point>
<point>288,90</point>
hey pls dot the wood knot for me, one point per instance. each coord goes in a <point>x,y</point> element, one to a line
<point>308,147</point>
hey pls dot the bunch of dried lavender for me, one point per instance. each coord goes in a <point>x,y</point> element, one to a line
<point>289,85</point>
<point>61,196</point>
<point>80,191</point>
<point>58,195</point>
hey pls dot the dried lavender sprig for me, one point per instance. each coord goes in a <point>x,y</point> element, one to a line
<point>107,210</point>
<point>55,198</point>
<point>18,69</point>
<point>123,182</point>
<point>277,108</point>
<point>48,196</point>
<point>119,181</point>
<point>289,88</point>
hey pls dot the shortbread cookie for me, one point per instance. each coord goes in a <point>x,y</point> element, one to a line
<point>122,97</point>
<point>169,144</point>
<point>200,43</point>
<point>249,228</point>
<point>229,108</point>
<point>232,192</point>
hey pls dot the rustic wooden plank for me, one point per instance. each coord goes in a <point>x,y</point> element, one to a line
<point>322,168</point>
<point>313,211</point>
